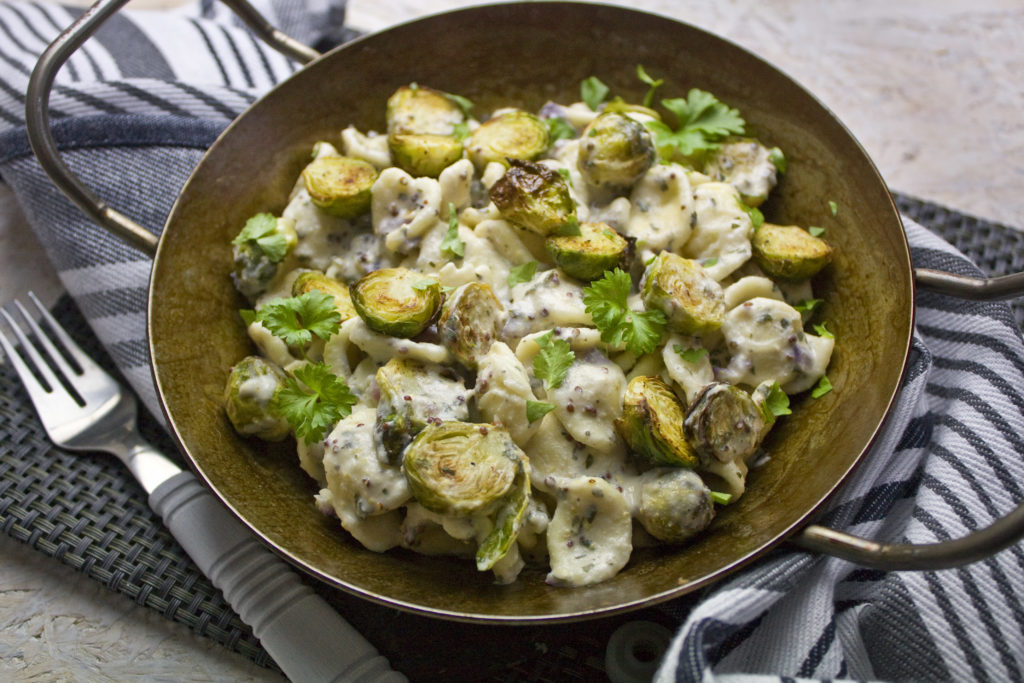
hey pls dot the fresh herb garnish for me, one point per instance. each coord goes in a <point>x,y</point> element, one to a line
<point>451,244</point>
<point>824,331</point>
<point>261,230</point>
<point>593,92</point>
<point>756,217</point>
<point>553,360</point>
<point>535,410</point>
<point>703,122</point>
<point>690,355</point>
<point>654,84</point>
<point>824,386</point>
<point>816,231</point>
<point>465,104</point>
<point>298,319</point>
<point>778,159</point>
<point>559,129</point>
<point>524,272</point>
<point>460,131</point>
<point>425,283</point>
<point>312,399</point>
<point>721,498</point>
<point>776,403</point>
<point>808,305</point>
<point>606,302</point>
<point>833,207</point>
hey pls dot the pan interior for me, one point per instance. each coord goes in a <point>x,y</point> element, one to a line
<point>526,54</point>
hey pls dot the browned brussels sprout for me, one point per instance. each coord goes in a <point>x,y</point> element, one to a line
<point>315,281</point>
<point>396,301</point>
<point>471,320</point>
<point>535,197</point>
<point>340,185</point>
<point>615,151</point>
<point>789,252</point>
<point>421,110</point>
<point>512,135</point>
<point>674,504</point>
<point>251,386</point>
<point>692,301</point>
<point>588,255</point>
<point>421,154</point>
<point>724,423</point>
<point>652,423</point>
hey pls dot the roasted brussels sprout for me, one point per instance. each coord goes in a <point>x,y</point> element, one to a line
<point>724,423</point>
<point>588,255</point>
<point>396,301</point>
<point>512,135</point>
<point>680,288</point>
<point>674,504</point>
<point>315,281</point>
<point>534,197</point>
<point>258,249</point>
<point>423,154</point>
<point>652,423</point>
<point>251,386</point>
<point>615,151</point>
<point>340,185</point>
<point>413,394</point>
<point>507,520</point>
<point>789,252</point>
<point>748,166</point>
<point>460,468</point>
<point>420,110</point>
<point>471,320</point>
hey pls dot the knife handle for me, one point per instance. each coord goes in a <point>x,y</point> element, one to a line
<point>302,633</point>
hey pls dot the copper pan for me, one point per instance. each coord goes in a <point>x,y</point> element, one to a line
<point>527,53</point>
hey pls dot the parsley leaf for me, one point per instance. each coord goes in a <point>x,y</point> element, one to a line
<point>690,355</point>
<point>465,104</point>
<point>261,230</point>
<point>312,400</point>
<point>807,305</point>
<point>703,122</point>
<point>535,410</point>
<point>593,92</point>
<point>451,245</point>
<point>460,130</point>
<point>297,319</point>
<point>721,498</point>
<point>424,284</point>
<point>756,217</point>
<point>816,231</point>
<point>646,78</point>
<point>833,207</point>
<point>552,362</point>
<point>559,129</point>
<point>824,331</point>
<point>778,159</point>
<point>606,302</point>
<point>776,403</point>
<point>824,386</point>
<point>524,272</point>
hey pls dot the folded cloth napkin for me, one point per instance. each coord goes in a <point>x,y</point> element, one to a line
<point>135,109</point>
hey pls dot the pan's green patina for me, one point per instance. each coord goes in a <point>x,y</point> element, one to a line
<point>526,54</point>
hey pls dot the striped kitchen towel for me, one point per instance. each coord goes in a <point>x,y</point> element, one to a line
<point>135,110</point>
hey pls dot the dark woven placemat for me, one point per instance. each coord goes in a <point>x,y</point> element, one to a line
<point>87,512</point>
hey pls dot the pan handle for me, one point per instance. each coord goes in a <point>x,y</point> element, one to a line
<point>973,547</point>
<point>973,288</point>
<point>37,114</point>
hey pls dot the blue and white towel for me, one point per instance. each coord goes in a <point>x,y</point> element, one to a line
<point>135,109</point>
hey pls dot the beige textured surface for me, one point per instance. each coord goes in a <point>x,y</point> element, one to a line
<point>931,88</point>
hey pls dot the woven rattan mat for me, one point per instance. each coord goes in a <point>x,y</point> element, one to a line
<point>87,512</point>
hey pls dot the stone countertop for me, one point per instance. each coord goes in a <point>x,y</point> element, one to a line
<point>931,88</point>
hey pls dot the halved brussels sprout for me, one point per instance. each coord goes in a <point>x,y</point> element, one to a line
<point>674,504</point>
<point>396,301</point>
<point>692,301</point>
<point>789,252</point>
<point>421,110</point>
<point>512,135</point>
<point>534,197</point>
<point>423,154</point>
<point>258,249</point>
<point>588,255</point>
<point>412,395</point>
<point>339,185</point>
<point>724,423</point>
<point>471,320</point>
<point>315,281</point>
<point>508,520</point>
<point>614,151</point>
<point>652,423</point>
<point>460,468</point>
<point>747,165</point>
<point>250,388</point>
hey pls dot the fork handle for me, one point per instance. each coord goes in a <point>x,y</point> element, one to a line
<point>305,636</point>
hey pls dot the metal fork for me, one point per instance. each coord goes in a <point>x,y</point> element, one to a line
<point>83,408</point>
